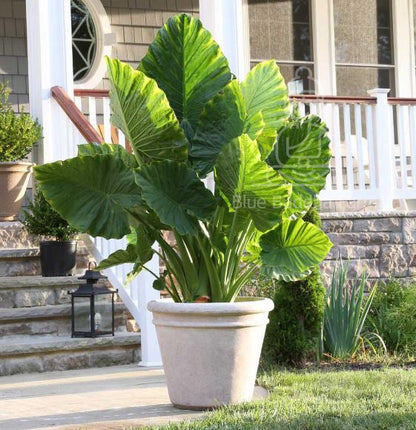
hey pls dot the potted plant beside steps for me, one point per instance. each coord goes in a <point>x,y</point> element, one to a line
<point>18,133</point>
<point>187,117</point>
<point>58,254</point>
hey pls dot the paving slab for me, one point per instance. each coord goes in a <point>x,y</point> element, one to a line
<point>118,397</point>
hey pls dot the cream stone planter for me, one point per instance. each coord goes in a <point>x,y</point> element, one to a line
<point>14,177</point>
<point>210,351</point>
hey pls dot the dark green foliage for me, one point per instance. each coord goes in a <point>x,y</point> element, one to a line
<point>18,133</point>
<point>393,316</point>
<point>42,220</point>
<point>295,324</point>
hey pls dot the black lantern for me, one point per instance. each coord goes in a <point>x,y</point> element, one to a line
<point>92,307</point>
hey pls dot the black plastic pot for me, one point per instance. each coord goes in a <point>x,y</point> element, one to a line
<point>58,258</point>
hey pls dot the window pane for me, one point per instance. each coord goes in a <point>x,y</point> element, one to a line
<point>280,29</point>
<point>103,312</point>
<point>355,81</point>
<point>302,47</point>
<point>82,318</point>
<point>363,32</point>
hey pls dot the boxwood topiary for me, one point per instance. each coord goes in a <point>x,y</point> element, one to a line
<point>18,133</point>
<point>295,323</point>
<point>41,220</point>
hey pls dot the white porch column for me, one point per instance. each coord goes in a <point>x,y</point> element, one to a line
<point>324,47</point>
<point>384,149</point>
<point>145,292</point>
<point>49,46</point>
<point>227,20</point>
<point>403,48</point>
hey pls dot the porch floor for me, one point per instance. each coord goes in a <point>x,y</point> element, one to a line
<point>104,398</point>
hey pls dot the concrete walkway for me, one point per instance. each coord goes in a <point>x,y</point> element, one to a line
<point>100,399</point>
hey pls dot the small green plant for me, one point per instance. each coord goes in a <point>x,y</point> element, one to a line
<point>393,316</point>
<point>42,220</point>
<point>18,133</point>
<point>295,323</point>
<point>345,313</point>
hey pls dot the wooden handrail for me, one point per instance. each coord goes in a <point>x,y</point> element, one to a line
<point>306,98</point>
<point>300,97</point>
<point>401,101</point>
<point>76,116</point>
<point>91,93</point>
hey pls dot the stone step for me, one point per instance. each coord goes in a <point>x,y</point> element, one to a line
<point>48,320</point>
<point>29,291</point>
<point>14,235</point>
<point>24,354</point>
<point>26,261</point>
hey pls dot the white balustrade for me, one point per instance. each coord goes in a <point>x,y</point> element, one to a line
<point>373,143</point>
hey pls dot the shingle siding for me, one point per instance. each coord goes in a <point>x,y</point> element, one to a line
<point>136,22</point>
<point>13,55</point>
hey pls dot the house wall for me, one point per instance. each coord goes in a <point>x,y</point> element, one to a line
<point>13,55</point>
<point>135,23</point>
<point>382,244</point>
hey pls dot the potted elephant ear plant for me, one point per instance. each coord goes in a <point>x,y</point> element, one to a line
<point>58,246</point>
<point>187,117</point>
<point>18,133</point>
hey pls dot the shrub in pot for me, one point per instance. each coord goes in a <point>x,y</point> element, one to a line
<point>187,117</point>
<point>18,133</point>
<point>57,255</point>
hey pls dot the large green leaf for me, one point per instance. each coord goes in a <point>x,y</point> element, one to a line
<point>264,91</point>
<point>108,148</point>
<point>249,184</point>
<point>121,256</point>
<point>91,193</point>
<point>301,155</point>
<point>142,112</point>
<point>138,252</point>
<point>175,193</point>
<point>292,248</point>
<point>221,120</point>
<point>188,65</point>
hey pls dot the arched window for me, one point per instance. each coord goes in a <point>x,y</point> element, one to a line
<point>91,41</point>
<point>84,39</point>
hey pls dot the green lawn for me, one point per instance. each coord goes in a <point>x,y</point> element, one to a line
<point>376,399</point>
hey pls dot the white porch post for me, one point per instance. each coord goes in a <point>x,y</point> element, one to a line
<point>384,149</point>
<point>143,285</point>
<point>49,43</point>
<point>323,47</point>
<point>227,20</point>
<point>403,47</point>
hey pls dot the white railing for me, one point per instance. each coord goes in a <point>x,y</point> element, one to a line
<point>373,142</point>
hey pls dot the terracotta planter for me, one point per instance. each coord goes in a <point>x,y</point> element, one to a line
<point>210,351</point>
<point>14,178</point>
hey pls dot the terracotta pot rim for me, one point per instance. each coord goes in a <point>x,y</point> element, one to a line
<point>12,163</point>
<point>242,306</point>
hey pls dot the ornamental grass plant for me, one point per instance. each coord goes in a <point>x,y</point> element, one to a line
<point>346,310</point>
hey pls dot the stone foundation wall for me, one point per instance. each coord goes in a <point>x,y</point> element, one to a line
<point>383,244</point>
